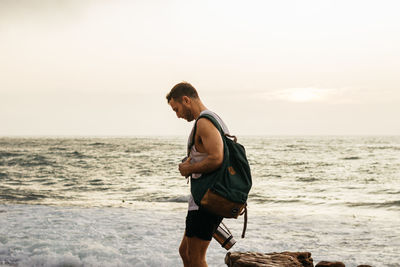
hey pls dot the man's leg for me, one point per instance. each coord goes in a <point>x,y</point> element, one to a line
<point>200,226</point>
<point>184,251</point>
<point>197,249</point>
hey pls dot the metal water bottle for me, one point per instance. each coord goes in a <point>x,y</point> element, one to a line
<point>224,237</point>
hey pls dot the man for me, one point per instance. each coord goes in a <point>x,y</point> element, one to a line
<point>206,155</point>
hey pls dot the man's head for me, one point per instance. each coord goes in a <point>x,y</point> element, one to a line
<point>181,99</point>
<point>180,90</point>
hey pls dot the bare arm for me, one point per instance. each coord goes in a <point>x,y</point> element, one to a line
<point>214,147</point>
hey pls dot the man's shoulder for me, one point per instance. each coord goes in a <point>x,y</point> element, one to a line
<point>205,127</point>
<point>205,123</point>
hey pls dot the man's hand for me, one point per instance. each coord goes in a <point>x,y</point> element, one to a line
<point>184,168</point>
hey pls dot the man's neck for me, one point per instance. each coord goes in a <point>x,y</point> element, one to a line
<point>198,109</point>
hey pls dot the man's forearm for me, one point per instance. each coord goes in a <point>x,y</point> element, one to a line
<point>207,165</point>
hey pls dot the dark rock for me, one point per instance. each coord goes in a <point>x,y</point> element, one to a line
<point>254,259</point>
<point>364,265</point>
<point>330,264</point>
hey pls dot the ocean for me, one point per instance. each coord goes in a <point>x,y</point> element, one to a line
<point>121,201</point>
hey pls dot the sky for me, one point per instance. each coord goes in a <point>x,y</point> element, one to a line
<point>103,68</point>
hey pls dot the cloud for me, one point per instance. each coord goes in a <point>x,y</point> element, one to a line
<point>346,95</point>
<point>306,94</point>
<point>42,14</point>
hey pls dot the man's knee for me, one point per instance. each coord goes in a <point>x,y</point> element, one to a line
<point>197,261</point>
<point>183,251</point>
<point>196,251</point>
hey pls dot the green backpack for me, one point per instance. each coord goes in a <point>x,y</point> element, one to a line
<point>225,190</point>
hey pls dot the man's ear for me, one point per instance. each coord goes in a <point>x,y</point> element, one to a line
<point>186,100</point>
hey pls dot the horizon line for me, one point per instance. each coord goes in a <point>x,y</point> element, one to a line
<point>183,135</point>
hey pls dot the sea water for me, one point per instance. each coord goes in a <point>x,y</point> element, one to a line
<point>122,202</point>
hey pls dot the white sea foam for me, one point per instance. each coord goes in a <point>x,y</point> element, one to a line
<point>122,202</point>
<point>58,236</point>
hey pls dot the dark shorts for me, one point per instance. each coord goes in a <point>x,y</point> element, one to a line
<point>201,224</point>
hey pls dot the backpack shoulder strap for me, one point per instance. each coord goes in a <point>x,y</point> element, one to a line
<point>213,120</point>
<point>245,220</point>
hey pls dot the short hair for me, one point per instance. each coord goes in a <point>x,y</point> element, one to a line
<point>180,90</point>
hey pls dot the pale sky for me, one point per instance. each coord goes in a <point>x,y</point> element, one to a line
<point>266,67</point>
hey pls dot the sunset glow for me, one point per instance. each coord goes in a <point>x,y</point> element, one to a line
<point>90,67</point>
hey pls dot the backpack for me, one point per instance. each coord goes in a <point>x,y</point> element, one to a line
<point>224,191</point>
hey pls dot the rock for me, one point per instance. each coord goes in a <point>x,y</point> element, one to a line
<point>364,265</point>
<point>255,259</point>
<point>330,264</point>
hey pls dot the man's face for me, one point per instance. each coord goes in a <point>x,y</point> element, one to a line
<point>181,109</point>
